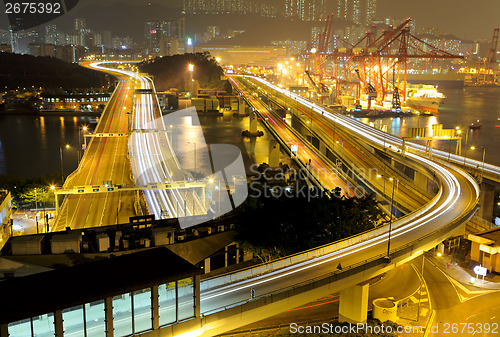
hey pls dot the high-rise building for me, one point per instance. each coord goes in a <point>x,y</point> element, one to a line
<point>371,11</point>
<point>315,36</point>
<point>155,30</point>
<point>305,10</point>
<point>169,46</point>
<point>80,24</point>
<point>349,10</point>
<point>357,11</point>
<point>107,39</point>
<point>260,7</point>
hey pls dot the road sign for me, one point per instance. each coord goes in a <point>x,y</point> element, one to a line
<point>481,271</point>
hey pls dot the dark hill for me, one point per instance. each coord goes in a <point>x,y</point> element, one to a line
<point>48,72</point>
<point>172,71</point>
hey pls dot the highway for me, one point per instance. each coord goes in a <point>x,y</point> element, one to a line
<point>362,164</point>
<point>154,160</point>
<point>456,200</point>
<point>105,160</point>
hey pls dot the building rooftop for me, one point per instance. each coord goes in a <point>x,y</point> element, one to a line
<point>45,292</point>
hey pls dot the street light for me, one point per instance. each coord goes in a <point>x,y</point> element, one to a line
<point>62,168</point>
<point>391,209</point>
<point>82,132</point>
<point>484,155</point>
<point>191,69</point>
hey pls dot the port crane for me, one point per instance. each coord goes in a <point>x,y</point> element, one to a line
<point>490,72</point>
<point>321,88</point>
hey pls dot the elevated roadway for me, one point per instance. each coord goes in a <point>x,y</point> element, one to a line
<point>105,161</point>
<point>293,281</point>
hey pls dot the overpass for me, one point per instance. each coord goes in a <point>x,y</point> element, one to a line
<point>280,285</point>
<point>226,302</point>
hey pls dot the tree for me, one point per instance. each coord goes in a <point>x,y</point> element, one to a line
<point>274,226</point>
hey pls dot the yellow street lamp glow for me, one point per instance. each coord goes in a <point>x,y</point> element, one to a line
<point>67,146</point>
<point>391,179</point>
<point>52,187</point>
<point>379,176</point>
<point>472,147</point>
<point>191,67</point>
<point>84,128</point>
<point>210,180</point>
<point>217,59</point>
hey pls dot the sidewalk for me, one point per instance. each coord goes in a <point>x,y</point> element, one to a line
<point>463,274</point>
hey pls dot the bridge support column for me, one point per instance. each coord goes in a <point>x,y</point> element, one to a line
<point>420,180</point>
<point>242,107</point>
<point>58,323</point>
<point>253,123</point>
<point>486,200</point>
<point>156,307</point>
<point>197,296</point>
<point>108,316</point>
<point>4,330</point>
<point>353,306</point>
<point>274,153</point>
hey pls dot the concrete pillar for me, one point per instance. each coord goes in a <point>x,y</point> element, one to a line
<point>108,316</point>
<point>486,201</point>
<point>253,123</point>
<point>207,265</point>
<point>242,107</point>
<point>156,307</point>
<point>420,180</point>
<point>4,330</point>
<point>58,323</point>
<point>197,296</point>
<point>274,153</point>
<point>353,306</point>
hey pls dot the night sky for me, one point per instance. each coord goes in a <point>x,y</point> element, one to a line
<point>469,19</point>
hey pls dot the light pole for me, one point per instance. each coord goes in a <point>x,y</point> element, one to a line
<point>81,134</point>
<point>62,167</point>
<point>47,218</point>
<point>36,212</point>
<point>390,218</point>
<point>191,69</point>
<point>482,167</point>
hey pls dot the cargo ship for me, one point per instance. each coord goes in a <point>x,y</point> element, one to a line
<point>423,97</point>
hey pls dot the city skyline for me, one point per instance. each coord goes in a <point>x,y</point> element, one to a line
<point>445,15</point>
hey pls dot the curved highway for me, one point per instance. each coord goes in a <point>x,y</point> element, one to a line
<point>455,203</point>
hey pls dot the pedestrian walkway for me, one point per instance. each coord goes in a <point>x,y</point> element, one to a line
<point>463,274</point>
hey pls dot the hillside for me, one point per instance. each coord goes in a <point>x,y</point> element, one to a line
<point>172,71</point>
<point>47,72</point>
